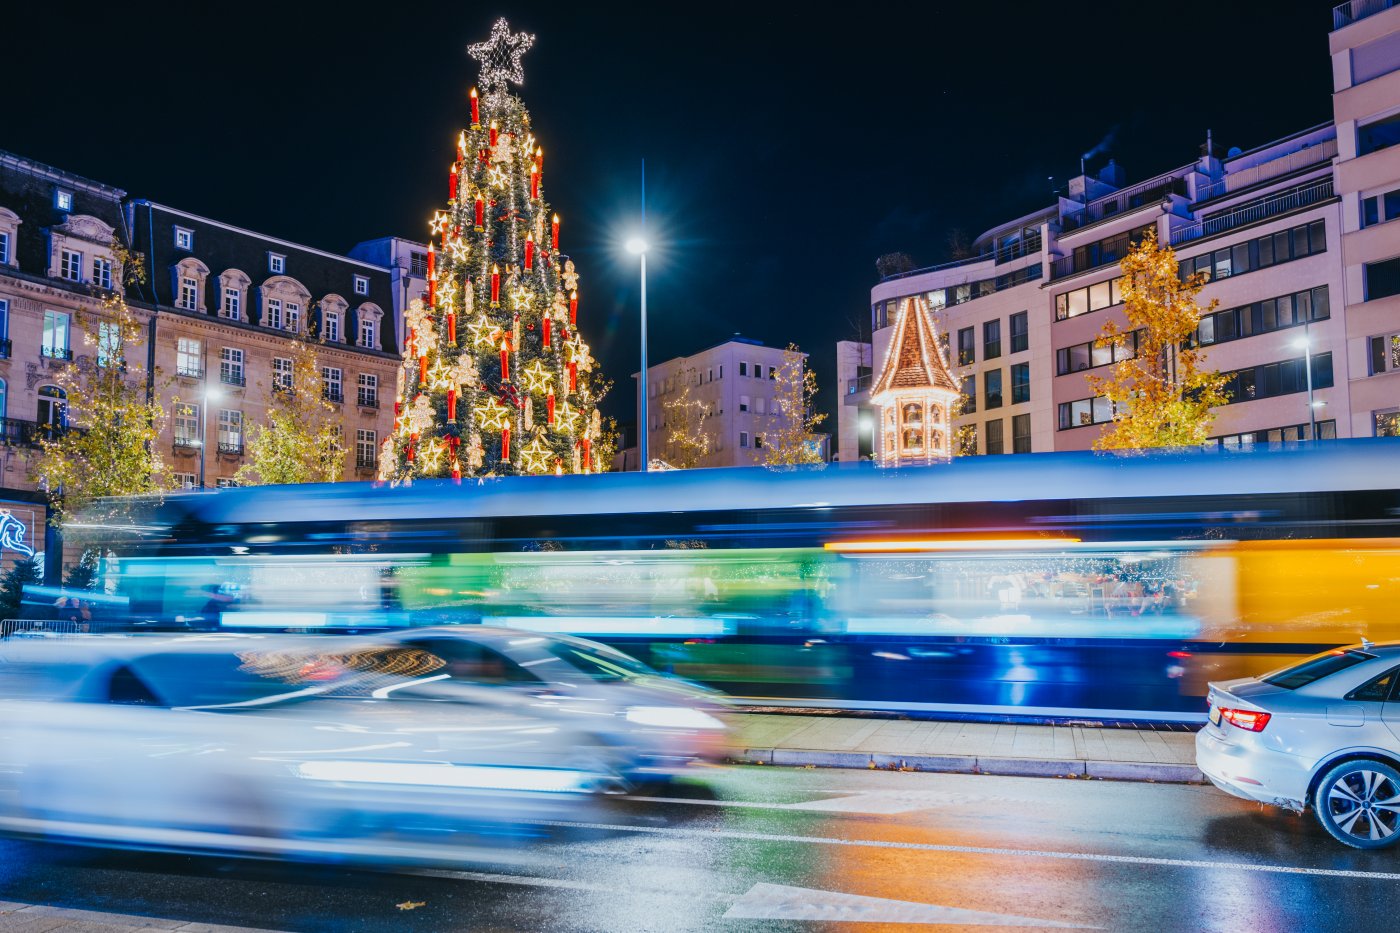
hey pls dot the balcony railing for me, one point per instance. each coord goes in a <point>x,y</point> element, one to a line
<point>1272,206</point>
<point>859,383</point>
<point>17,432</point>
<point>231,449</point>
<point>1345,14</point>
<point>1026,246</point>
<point>56,353</point>
<point>190,372</point>
<point>332,395</point>
<point>367,401</point>
<point>187,443</point>
<point>1283,165</point>
<point>232,378</point>
<point>5,349</point>
<point>365,463</point>
<point>1152,191</point>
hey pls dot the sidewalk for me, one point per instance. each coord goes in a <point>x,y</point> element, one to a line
<point>40,918</point>
<point>986,748</point>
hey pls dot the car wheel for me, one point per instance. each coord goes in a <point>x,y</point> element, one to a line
<point>1358,802</point>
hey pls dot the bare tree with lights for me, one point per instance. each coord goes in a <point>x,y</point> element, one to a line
<point>791,439</point>
<point>299,439</point>
<point>496,377</point>
<point>687,442</point>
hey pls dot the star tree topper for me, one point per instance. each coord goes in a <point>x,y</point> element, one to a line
<point>500,57</point>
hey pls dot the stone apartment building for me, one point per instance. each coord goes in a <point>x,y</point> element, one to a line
<point>1294,234</point>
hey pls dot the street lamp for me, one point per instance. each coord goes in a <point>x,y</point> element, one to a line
<point>1304,343</point>
<point>638,247</point>
<point>210,395</point>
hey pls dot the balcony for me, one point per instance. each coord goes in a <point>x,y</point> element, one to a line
<point>1295,161</point>
<point>231,449</point>
<point>16,432</point>
<point>56,353</point>
<point>186,445</point>
<point>1150,192</point>
<point>190,372</point>
<point>333,395</point>
<point>1273,206</point>
<point>368,401</point>
<point>1344,14</point>
<point>233,378</point>
<point>363,463</point>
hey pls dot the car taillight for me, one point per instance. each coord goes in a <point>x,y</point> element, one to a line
<point>1247,719</point>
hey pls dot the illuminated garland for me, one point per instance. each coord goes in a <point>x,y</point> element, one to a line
<point>496,379</point>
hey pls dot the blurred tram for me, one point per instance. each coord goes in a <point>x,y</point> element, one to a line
<point>1042,585</point>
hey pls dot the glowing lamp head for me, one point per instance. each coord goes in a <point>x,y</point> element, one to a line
<point>1301,343</point>
<point>636,246</point>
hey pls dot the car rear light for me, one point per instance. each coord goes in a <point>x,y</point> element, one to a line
<point>1247,719</point>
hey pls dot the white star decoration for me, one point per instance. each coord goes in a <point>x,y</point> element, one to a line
<point>500,56</point>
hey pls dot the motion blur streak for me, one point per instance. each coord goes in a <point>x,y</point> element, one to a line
<point>446,775</point>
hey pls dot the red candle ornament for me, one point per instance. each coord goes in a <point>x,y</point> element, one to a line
<point>476,111</point>
<point>529,251</point>
<point>545,333</point>
<point>534,182</point>
<point>495,287</point>
<point>494,132</point>
<point>573,309</point>
<point>422,369</point>
<point>549,406</point>
<point>587,446</point>
<point>452,327</point>
<point>505,359</point>
<point>480,212</point>
<point>452,183</point>
<point>505,443</point>
<point>456,471</point>
<point>409,456</point>
<point>554,232</point>
<point>573,377</point>
<point>451,404</point>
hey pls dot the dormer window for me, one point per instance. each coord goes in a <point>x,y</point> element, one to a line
<point>184,239</point>
<point>276,263</point>
<point>362,285</point>
<point>63,199</point>
<point>70,265</point>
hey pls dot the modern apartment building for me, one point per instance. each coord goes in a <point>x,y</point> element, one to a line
<point>734,382</point>
<point>1293,234</point>
<point>221,306</point>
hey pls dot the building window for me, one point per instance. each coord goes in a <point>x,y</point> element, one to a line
<point>186,425</point>
<point>1021,434</point>
<point>226,482</point>
<point>1094,297</point>
<point>1259,253</point>
<point>418,265</point>
<point>991,339</point>
<point>743,399</point>
<point>70,265</point>
<point>230,432</point>
<point>1085,411</point>
<point>743,369</point>
<point>273,317</point>
<point>55,341</point>
<point>1020,383</point>
<point>1379,209</point>
<point>1382,279</point>
<point>4,249</point>
<point>276,263</point>
<point>232,308</point>
<point>102,273</point>
<point>1269,380</point>
<point>366,447</point>
<point>184,239</point>
<point>362,285</point>
<point>757,441</point>
<point>968,399</point>
<point>4,328</point>
<point>189,294</point>
<point>1387,423</point>
<point>1326,431</point>
<point>231,366</point>
<point>991,388</point>
<point>1095,353</point>
<point>1384,354</point>
<point>63,200</point>
<point>281,374</point>
<point>967,349</point>
<point>995,444</point>
<point>743,438</point>
<point>332,327</point>
<point>367,390</point>
<point>109,342</point>
<point>1381,134</point>
<point>1020,331</point>
<point>189,357</point>
<point>369,332</point>
<point>183,480</point>
<point>1262,317</point>
<point>760,405</point>
<point>330,384</point>
<point>293,317</point>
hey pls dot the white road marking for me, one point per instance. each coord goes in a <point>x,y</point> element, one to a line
<point>873,802</point>
<point>979,850</point>
<point>783,902</point>
<point>564,883</point>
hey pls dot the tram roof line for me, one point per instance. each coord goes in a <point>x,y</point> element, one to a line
<point>1334,466</point>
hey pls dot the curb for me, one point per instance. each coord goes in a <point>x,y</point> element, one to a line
<point>974,764</point>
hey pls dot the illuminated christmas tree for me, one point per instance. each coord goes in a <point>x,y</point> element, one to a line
<point>496,378</point>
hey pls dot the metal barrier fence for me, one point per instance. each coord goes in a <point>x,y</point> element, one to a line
<point>20,628</point>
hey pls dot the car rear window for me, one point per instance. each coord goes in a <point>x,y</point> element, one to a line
<point>600,663</point>
<point>1316,668</point>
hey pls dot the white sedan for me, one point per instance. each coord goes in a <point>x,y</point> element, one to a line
<point>1323,733</point>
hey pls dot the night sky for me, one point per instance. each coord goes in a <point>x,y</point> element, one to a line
<point>784,151</point>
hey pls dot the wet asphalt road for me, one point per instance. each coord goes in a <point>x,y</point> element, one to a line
<point>770,849</point>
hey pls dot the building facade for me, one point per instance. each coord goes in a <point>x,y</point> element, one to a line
<point>732,384</point>
<point>220,305</point>
<point>1293,237</point>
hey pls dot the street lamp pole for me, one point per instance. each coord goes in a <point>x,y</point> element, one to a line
<point>643,429</point>
<point>1306,341</point>
<point>210,395</point>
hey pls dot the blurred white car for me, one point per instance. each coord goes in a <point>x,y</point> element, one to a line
<point>277,746</point>
<point>1323,733</point>
<point>656,724</point>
